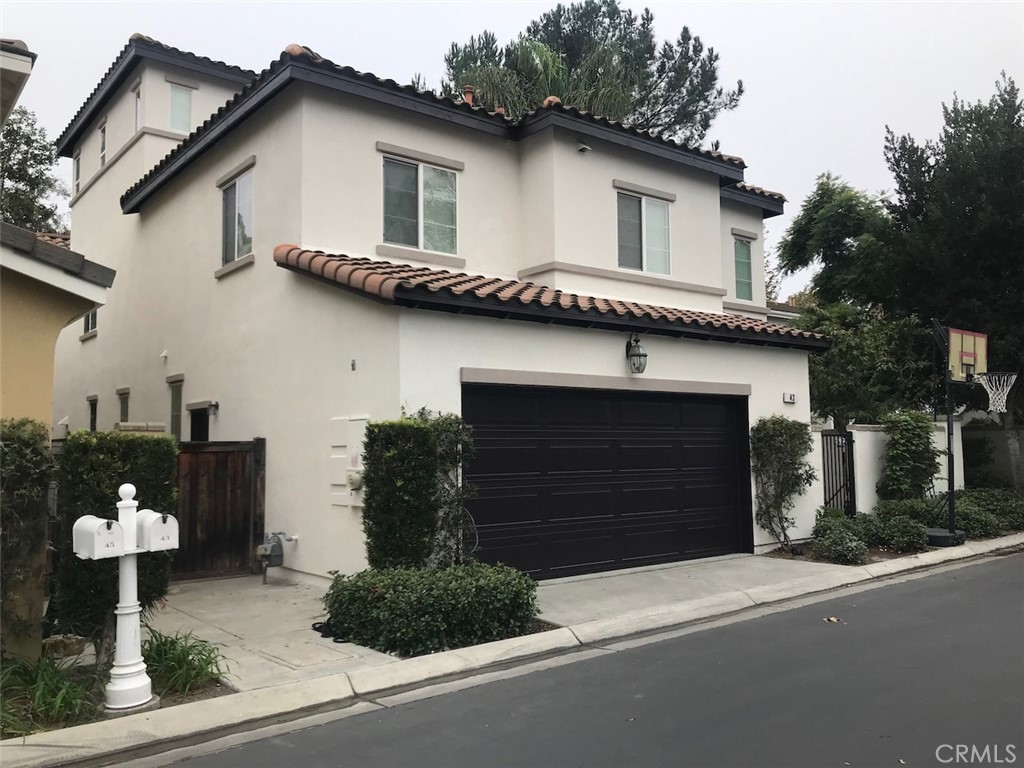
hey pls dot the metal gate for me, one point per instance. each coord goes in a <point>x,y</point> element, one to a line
<point>837,466</point>
<point>220,508</point>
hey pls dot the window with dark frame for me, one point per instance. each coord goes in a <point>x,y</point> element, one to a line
<point>176,389</point>
<point>237,199</point>
<point>92,414</point>
<point>199,427</point>
<point>122,398</point>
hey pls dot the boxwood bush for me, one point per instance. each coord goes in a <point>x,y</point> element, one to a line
<point>412,611</point>
<point>900,534</point>
<point>841,545</point>
<point>1006,504</point>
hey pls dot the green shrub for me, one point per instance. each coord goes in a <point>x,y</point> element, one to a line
<point>400,503</point>
<point>911,460</point>
<point>777,449</point>
<point>180,662</point>
<point>91,469</point>
<point>454,440</point>
<point>871,530</point>
<point>42,694</point>
<point>841,545</point>
<point>902,534</point>
<point>827,518</point>
<point>410,611</point>
<point>26,468</point>
<point>928,512</point>
<point>976,520</point>
<point>1005,503</point>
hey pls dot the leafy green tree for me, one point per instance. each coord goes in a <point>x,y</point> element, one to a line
<point>600,58</point>
<point>876,365</point>
<point>28,185</point>
<point>948,245</point>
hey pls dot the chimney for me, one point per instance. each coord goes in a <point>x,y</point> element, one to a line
<point>499,110</point>
<point>467,94</point>
<point>551,101</point>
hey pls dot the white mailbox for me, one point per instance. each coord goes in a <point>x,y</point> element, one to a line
<point>96,538</point>
<point>156,532</point>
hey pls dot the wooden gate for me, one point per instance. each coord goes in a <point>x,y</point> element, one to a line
<point>837,466</point>
<point>220,508</point>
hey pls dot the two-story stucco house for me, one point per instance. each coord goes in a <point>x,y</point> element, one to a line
<point>327,247</point>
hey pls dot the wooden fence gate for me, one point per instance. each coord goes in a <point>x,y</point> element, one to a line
<point>837,465</point>
<point>220,508</point>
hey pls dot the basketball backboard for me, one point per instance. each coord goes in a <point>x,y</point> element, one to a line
<point>968,354</point>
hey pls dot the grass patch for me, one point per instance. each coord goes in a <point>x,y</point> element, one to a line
<point>45,694</point>
<point>181,662</point>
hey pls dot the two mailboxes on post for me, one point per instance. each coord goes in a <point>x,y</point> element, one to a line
<point>156,532</point>
<point>95,538</point>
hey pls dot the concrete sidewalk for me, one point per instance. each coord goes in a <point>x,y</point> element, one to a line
<point>601,612</point>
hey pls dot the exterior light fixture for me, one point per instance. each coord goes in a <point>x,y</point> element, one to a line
<point>636,355</point>
<point>213,408</point>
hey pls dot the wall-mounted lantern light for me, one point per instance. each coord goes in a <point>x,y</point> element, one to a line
<point>636,355</point>
<point>213,408</point>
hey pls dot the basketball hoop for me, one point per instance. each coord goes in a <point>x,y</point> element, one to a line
<point>998,386</point>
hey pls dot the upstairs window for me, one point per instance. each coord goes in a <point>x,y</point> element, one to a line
<point>643,234</point>
<point>744,272</point>
<point>181,108</point>
<point>103,145</point>
<point>237,218</point>
<point>93,405</point>
<point>77,171</point>
<point>90,321</point>
<point>138,107</point>
<point>420,206</point>
<point>122,401</point>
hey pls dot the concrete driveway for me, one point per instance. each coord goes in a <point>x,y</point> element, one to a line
<point>580,599</point>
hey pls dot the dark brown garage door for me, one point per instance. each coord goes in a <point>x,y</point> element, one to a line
<point>579,481</point>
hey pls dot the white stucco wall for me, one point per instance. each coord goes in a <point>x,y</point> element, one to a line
<point>434,347</point>
<point>869,443</point>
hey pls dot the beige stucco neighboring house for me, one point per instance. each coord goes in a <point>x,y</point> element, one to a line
<point>328,248</point>
<point>16,62</point>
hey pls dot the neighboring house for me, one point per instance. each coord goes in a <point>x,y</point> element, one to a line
<point>783,313</point>
<point>491,268</point>
<point>16,62</point>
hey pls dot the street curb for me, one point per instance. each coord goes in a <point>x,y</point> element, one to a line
<point>106,742</point>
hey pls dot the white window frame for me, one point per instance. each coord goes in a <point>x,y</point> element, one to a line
<point>170,106</point>
<point>644,199</point>
<point>90,321</point>
<point>419,202</point>
<point>735,272</point>
<point>138,106</point>
<point>103,144</point>
<point>76,170</point>
<point>233,185</point>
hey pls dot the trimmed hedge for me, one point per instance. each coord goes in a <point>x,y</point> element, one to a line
<point>410,611</point>
<point>400,505</point>
<point>91,469</point>
<point>841,545</point>
<point>901,534</point>
<point>1006,504</point>
<point>26,468</point>
<point>833,531</point>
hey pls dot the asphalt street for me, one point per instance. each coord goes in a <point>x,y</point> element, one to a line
<point>908,672</point>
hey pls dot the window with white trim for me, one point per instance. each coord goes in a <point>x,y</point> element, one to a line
<point>103,145</point>
<point>420,206</point>
<point>78,170</point>
<point>237,218</point>
<point>90,321</point>
<point>744,269</point>
<point>138,107</point>
<point>181,108</point>
<point>644,242</point>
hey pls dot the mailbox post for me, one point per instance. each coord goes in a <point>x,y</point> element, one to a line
<point>96,538</point>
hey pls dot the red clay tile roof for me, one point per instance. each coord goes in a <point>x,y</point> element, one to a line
<point>407,285</point>
<point>139,44</point>
<point>54,238</point>
<point>299,53</point>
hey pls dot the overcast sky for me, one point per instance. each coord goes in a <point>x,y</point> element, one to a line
<point>822,79</point>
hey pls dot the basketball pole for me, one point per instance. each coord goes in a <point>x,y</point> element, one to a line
<point>950,464</point>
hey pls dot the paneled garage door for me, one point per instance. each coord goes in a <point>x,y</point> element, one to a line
<point>573,481</point>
